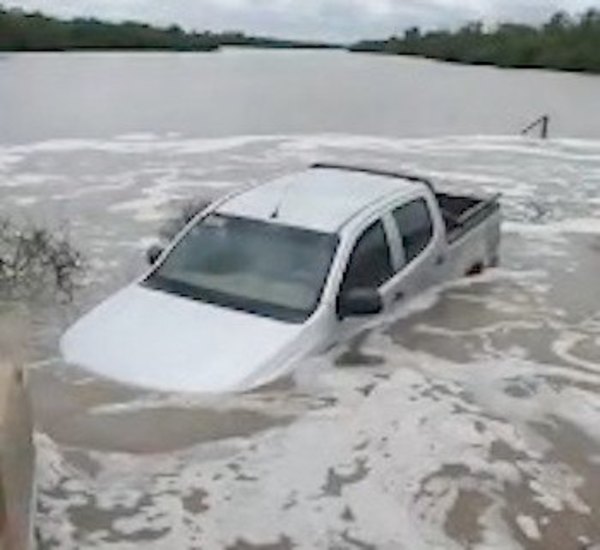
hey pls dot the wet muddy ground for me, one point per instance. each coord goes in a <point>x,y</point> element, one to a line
<point>467,419</point>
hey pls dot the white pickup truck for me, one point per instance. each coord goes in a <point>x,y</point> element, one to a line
<point>280,271</point>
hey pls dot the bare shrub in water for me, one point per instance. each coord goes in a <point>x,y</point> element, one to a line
<point>36,264</point>
<point>186,212</point>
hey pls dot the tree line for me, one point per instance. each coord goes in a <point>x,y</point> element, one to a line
<point>563,43</point>
<point>23,31</point>
<point>243,40</point>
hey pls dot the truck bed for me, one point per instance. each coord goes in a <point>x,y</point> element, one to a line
<point>462,213</point>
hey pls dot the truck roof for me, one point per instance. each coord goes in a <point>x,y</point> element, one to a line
<point>322,198</point>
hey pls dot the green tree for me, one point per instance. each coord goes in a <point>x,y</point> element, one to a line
<point>564,43</point>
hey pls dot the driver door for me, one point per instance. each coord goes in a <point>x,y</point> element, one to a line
<point>370,265</point>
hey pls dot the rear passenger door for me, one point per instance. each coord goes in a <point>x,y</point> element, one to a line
<point>420,256</point>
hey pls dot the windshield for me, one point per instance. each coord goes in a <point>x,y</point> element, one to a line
<point>251,265</point>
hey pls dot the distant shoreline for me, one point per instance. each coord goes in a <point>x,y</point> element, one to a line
<point>562,44</point>
<point>22,31</point>
<point>482,64</point>
<point>106,50</point>
<point>169,50</point>
<point>218,48</point>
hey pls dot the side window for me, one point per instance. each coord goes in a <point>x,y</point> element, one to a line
<point>415,227</point>
<point>370,265</point>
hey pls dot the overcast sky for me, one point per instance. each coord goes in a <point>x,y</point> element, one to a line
<point>315,19</point>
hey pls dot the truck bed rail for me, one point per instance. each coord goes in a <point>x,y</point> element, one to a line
<point>459,225</point>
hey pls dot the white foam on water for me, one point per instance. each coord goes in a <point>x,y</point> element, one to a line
<point>24,201</point>
<point>7,160</point>
<point>21,180</point>
<point>405,433</point>
<point>125,145</point>
<point>589,226</point>
<point>151,205</point>
<point>141,136</point>
<point>529,527</point>
<point>563,348</point>
<point>120,183</point>
<point>165,187</point>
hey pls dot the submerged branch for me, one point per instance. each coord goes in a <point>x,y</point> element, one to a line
<point>37,264</point>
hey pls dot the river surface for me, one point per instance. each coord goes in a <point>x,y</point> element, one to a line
<point>468,419</point>
<point>248,92</point>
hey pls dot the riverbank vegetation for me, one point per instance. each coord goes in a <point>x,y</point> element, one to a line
<point>242,40</point>
<point>23,31</point>
<point>563,43</point>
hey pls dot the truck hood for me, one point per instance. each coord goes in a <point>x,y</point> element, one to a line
<point>157,340</point>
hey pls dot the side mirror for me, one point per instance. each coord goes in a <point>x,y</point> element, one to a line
<point>359,302</point>
<point>153,253</point>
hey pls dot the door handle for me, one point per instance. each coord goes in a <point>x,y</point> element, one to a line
<point>440,259</point>
<point>398,296</point>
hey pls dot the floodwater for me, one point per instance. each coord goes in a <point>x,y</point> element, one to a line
<point>249,92</point>
<point>468,419</point>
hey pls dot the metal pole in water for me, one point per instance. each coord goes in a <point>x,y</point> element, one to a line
<point>545,125</point>
<point>543,122</point>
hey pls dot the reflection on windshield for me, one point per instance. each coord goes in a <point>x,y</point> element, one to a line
<point>252,265</point>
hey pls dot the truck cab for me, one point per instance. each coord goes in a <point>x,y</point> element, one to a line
<point>281,271</point>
